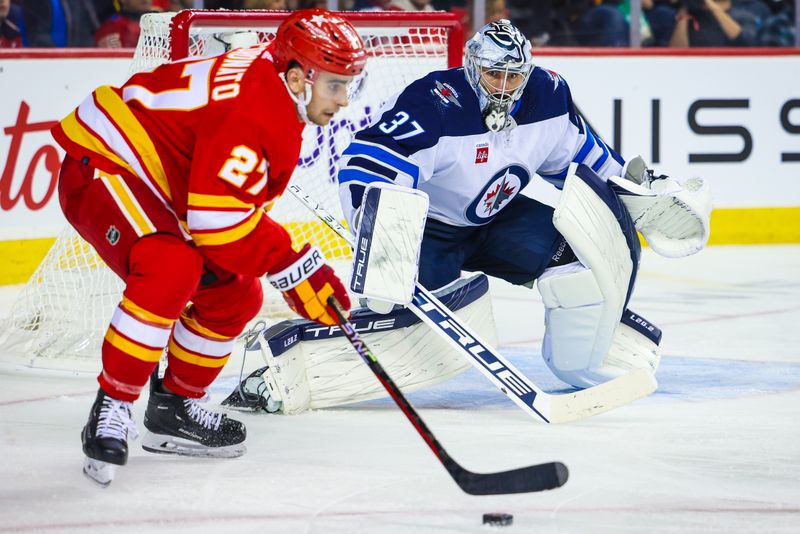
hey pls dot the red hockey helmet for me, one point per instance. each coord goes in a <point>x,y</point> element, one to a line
<point>320,40</point>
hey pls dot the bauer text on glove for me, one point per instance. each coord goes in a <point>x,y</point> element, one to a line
<point>307,282</point>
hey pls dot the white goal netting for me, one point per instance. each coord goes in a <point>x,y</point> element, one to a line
<point>61,315</point>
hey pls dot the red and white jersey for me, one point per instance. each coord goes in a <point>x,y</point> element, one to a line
<point>216,139</point>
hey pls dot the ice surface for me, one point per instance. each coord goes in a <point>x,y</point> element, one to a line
<point>716,449</point>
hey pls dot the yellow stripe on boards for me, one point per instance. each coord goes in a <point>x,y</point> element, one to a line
<point>752,226</point>
<point>729,226</point>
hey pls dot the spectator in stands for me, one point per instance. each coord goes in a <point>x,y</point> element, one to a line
<point>713,23</point>
<point>661,17</point>
<point>534,19</point>
<point>60,23</point>
<point>413,5</point>
<point>777,27</point>
<point>496,10</point>
<point>308,4</point>
<point>603,24</point>
<point>10,35</point>
<point>374,5</point>
<point>122,29</point>
<point>274,5</point>
<point>178,5</point>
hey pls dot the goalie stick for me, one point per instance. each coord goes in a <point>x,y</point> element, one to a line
<point>550,408</point>
<point>522,480</point>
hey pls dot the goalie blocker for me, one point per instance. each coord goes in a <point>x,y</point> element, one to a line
<point>311,366</point>
<point>386,256</point>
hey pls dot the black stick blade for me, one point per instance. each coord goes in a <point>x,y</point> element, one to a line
<point>540,477</point>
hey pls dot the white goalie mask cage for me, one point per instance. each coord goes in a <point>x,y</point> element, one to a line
<point>498,46</point>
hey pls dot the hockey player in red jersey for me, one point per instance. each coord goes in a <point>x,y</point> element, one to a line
<point>169,178</point>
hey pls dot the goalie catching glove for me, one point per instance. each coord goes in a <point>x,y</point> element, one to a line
<point>673,217</point>
<point>306,282</point>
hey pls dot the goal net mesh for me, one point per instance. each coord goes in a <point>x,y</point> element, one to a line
<point>60,317</point>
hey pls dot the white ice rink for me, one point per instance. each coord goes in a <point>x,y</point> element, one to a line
<point>715,449</point>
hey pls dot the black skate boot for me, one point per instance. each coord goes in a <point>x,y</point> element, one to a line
<point>105,438</point>
<point>179,425</point>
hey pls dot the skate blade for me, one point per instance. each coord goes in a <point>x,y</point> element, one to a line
<point>163,444</point>
<point>99,472</point>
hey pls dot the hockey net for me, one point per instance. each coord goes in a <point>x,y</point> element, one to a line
<point>61,315</point>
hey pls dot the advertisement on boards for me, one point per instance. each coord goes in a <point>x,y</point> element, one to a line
<point>734,120</point>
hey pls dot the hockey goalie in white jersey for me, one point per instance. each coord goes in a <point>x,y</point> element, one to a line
<point>473,138</point>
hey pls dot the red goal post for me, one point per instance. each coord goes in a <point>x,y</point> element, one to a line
<point>443,22</point>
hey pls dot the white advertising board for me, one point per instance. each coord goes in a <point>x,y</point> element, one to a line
<point>732,119</point>
<point>37,93</point>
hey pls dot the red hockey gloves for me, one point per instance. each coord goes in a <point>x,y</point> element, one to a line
<point>307,282</point>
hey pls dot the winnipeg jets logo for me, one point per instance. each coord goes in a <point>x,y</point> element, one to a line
<point>495,199</point>
<point>508,38</point>
<point>501,189</point>
<point>504,34</point>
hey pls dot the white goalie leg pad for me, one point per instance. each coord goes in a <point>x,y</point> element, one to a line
<point>386,255</point>
<point>313,366</point>
<point>673,217</point>
<point>636,345</point>
<point>584,302</point>
<point>574,307</point>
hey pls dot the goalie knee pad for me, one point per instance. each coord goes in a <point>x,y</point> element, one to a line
<point>574,310</point>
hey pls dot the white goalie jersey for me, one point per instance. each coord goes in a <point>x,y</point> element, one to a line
<point>432,137</point>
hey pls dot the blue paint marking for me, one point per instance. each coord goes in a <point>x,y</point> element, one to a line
<point>679,380</point>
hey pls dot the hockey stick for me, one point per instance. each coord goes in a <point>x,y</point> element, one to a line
<point>550,408</point>
<point>522,480</point>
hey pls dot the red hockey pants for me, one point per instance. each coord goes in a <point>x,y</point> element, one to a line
<point>173,297</point>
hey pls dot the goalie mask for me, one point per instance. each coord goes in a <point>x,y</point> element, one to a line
<point>498,63</point>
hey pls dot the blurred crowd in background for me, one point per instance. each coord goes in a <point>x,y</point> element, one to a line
<point>662,23</point>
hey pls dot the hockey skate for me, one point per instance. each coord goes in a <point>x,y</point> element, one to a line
<point>105,438</point>
<point>179,425</point>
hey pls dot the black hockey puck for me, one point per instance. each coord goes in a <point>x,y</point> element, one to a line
<point>498,520</point>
